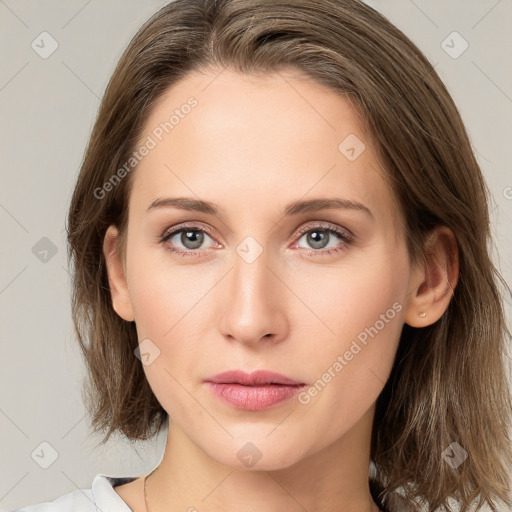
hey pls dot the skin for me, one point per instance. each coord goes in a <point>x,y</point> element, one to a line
<point>252,145</point>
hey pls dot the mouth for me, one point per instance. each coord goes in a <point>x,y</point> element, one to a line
<point>255,391</point>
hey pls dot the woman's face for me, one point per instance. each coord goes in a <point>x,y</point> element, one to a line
<point>257,280</point>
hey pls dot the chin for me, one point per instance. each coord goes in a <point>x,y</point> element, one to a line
<point>260,454</point>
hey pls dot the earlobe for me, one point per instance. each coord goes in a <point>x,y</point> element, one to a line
<point>116,275</point>
<point>434,284</point>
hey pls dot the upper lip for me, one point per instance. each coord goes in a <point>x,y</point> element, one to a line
<point>258,377</point>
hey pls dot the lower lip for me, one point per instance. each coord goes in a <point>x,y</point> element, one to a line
<point>253,398</point>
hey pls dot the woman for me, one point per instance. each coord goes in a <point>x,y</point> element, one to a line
<point>279,236</point>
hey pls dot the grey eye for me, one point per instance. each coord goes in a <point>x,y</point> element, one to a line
<point>319,238</point>
<point>189,238</point>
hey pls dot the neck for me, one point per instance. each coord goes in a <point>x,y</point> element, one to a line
<point>333,479</point>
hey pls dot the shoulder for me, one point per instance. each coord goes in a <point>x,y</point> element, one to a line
<point>79,500</point>
<point>101,496</point>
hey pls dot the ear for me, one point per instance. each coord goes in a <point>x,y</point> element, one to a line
<point>433,285</point>
<point>116,275</point>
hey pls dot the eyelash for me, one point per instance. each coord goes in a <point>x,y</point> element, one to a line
<point>346,238</point>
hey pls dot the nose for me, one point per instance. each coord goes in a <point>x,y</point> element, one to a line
<point>253,303</point>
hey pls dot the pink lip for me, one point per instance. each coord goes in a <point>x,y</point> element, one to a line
<point>256,391</point>
<point>252,379</point>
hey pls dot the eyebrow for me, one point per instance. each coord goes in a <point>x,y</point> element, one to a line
<point>294,208</point>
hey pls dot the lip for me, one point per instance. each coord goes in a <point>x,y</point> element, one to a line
<point>254,391</point>
<point>258,377</point>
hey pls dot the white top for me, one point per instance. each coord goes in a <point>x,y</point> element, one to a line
<point>101,497</point>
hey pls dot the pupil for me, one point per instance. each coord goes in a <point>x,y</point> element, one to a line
<point>192,239</point>
<point>317,239</point>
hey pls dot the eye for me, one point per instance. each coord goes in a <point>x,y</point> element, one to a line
<point>323,239</point>
<point>185,240</point>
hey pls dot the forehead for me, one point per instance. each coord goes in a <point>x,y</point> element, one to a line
<point>248,137</point>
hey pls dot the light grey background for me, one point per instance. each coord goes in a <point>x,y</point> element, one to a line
<point>48,107</point>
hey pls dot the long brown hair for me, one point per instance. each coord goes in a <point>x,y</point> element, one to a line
<point>449,380</point>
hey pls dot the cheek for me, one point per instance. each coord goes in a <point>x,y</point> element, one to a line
<point>364,306</point>
<point>169,313</point>
<point>162,292</point>
<point>360,295</point>
<point>172,306</point>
